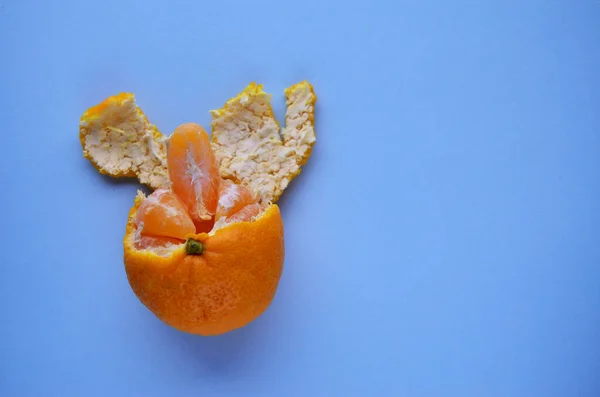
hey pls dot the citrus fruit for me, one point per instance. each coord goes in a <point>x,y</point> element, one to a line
<point>196,279</point>
<point>229,284</point>
<point>204,252</point>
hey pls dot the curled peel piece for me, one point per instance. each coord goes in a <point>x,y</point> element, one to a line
<point>247,143</point>
<point>118,139</point>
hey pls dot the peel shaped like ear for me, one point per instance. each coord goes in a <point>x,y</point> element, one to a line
<point>251,149</point>
<point>118,139</point>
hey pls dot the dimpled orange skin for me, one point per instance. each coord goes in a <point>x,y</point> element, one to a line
<point>229,285</point>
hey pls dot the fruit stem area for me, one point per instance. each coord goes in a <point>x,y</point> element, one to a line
<point>193,247</point>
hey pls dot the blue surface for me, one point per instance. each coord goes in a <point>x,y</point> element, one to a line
<point>442,241</point>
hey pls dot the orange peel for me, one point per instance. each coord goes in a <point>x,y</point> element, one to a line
<point>119,141</point>
<point>229,285</point>
<point>249,145</point>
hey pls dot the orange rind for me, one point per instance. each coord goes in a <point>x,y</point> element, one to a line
<point>251,149</point>
<point>118,139</point>
<point>229,285</point>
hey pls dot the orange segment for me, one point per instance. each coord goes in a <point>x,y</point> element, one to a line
<point>245,214</point>
<point>193,170</point>
<point>163,214</point>
<point>232,198</point>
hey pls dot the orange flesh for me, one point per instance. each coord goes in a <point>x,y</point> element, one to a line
<point>204,226</point>
<point>193,170</point>
<point>232,198</point>
<point>245,214</point>
<point>146,242</point>
<point>162,214</point>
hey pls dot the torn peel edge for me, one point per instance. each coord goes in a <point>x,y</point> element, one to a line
<point>103,125</point>
<point>252,89</point>
<point>150,171</point>
<point>94,113</point>
<point>289,92</point>
<point>290,147</point>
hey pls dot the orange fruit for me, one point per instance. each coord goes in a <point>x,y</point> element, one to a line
<point>232,198</point>
<point>193,170</point>
<point>213,283</point>
<point>198,275</point>
<point>205,251</point>
<point>163,214</point>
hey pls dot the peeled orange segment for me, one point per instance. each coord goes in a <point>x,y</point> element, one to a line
<point>163,214</point>
<point>118,139</point>
<point>248,145</point>
<point>245,214</point>
<point>197,273</point>
<point>232,198</point>
<point>193,170</point>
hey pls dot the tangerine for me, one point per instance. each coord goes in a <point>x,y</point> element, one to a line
<point>197,275</point>
<point>204,254</point>
<point>214,283</point>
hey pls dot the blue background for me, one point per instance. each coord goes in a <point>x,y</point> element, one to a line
<point>444,239</point>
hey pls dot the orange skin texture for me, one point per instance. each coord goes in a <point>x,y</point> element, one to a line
<point>101,107</point>
<point>226,287</point>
